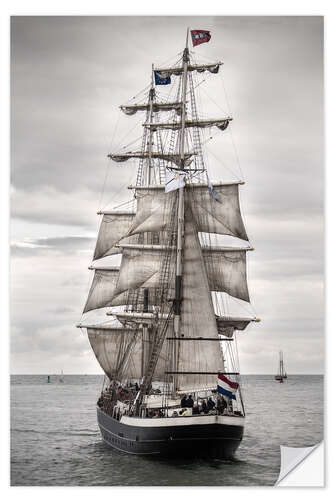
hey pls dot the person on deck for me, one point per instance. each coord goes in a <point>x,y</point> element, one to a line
<point>183,401</point>
<point>221,405</point>
<point>210,404</point>
<point>189,402</point>
<point>204,407</point>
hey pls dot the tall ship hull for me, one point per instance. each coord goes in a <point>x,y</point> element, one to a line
<point>167,282</point>
<point>211,436</point>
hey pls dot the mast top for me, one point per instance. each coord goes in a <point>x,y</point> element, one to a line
<point>186,55</point>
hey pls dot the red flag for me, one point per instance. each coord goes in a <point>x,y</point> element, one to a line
<point>200,36</point>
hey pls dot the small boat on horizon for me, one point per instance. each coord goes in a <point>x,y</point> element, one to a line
<point>282,374</point>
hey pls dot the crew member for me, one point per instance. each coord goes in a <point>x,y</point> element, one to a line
<point>210,404</point>
<point>183,401</point>
<point>189,402</point>
<point>204,406</point>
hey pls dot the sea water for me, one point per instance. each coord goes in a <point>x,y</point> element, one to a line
<point>55,439</point>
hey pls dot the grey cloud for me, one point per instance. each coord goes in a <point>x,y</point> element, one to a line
<point>62,310</point>
<point>68,242</point>
<point>44,246</point>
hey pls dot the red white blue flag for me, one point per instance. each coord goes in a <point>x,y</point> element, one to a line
<point>200,36</point>
<point>226,386</point>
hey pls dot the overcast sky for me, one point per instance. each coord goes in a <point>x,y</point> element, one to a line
<point>69,75</point>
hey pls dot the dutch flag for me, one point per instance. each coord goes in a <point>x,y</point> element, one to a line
<point>226,386</point>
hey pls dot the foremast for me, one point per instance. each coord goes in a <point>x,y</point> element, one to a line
<point>145,333</point>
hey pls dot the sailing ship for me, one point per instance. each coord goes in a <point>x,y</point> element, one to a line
<point>281,374</point>
<point>168,348</point>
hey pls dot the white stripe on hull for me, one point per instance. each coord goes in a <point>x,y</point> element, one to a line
<point>175,421</point>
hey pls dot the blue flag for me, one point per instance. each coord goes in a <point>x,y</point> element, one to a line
<point>162,78</point>
<point>212,192</point>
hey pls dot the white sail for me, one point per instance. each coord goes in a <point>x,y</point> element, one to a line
<point>154,209</point>
<point>119,350</point>
<point>226,270</point>
<point>116,349</point>
<point>113,228</point>
<point>141,266</point>
<point>220,217</point>
<point>102,288</point>
<point>197,316</point>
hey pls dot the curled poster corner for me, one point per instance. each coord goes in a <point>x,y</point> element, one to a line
<point>291,458</point>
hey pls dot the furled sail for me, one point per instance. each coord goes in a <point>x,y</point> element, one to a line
<point>171,157</point>
<point>157,106</point>
<point>113,228</point>
<point>227,325</point>
<point>200,68</point>
<point>197,316</point>
<point>210,215</point>
<point>140,317</point>
<point>221,124</point>
<point>223,323</point>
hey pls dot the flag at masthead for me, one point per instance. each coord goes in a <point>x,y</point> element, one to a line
<point>200,36</point>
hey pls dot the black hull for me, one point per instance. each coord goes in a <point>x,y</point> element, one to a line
<point>212,438</point>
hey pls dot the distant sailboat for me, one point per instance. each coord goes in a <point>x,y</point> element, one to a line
<point>282,374</point>
<point>61,379</point>
<point>48,379</point>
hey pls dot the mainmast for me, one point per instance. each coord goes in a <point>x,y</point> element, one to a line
<point>180,217</point>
